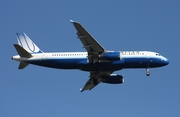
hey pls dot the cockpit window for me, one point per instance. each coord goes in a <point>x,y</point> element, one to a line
<point>157,54</point>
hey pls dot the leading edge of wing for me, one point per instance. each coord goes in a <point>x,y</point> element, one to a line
<point>87,40</point>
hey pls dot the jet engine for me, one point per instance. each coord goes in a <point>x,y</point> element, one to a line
<point>113,56</point>
<point>114,79</point>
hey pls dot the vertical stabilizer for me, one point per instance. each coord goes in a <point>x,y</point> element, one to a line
<point>25,42</point>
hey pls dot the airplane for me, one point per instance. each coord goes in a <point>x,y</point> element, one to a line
<point>98,61</point>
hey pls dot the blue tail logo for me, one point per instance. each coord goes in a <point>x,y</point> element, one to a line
<point>25,42</point>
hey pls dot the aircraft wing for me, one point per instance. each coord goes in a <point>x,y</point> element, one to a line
<point>95,79</point>
<point>90,44</point>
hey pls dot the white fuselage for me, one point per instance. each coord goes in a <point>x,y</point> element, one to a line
<point>79,60</point>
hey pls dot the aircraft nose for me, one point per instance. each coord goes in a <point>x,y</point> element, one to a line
<point>166,61</point>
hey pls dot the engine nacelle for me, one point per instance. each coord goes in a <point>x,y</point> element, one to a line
<point>114,56</point>
<point>114,79</point>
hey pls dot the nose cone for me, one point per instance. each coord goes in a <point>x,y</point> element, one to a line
<point>166,61</point>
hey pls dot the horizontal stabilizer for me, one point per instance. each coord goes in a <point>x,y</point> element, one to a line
<point>22,65</point>
<point>22,52</point>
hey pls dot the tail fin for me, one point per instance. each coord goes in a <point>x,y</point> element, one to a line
<point>25,42</point>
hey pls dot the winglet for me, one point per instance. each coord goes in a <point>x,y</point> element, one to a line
<point>72,21</point>
<point>81,89</point>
